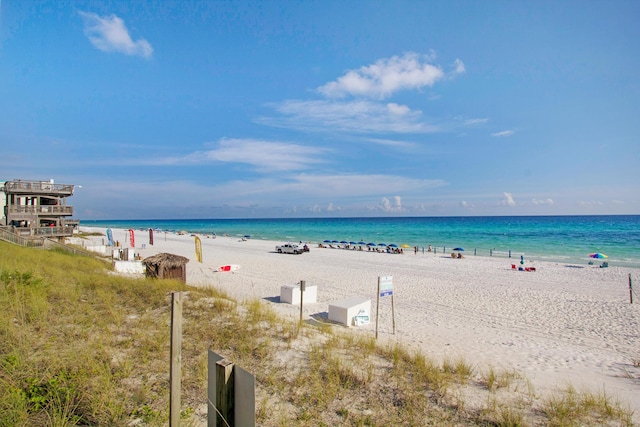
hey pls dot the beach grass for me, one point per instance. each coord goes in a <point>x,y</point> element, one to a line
<point>80,345</point>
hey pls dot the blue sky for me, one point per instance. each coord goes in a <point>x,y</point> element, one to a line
<point>226,109</point>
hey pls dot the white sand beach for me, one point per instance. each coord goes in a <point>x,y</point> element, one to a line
<point>562,324</point>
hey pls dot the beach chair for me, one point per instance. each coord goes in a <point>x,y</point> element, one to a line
<point>605,265</point>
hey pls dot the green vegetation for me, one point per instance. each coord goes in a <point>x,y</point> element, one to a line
<point>82,346</point>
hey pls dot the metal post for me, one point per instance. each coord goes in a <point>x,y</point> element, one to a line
<point>630,290</point>
<point>176,359</point>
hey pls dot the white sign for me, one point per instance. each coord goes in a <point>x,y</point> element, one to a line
<point>386,285</point>
<point>362,318</point>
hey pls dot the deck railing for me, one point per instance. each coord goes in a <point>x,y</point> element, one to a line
<point>40,210</point>
<point>41,242</point>
<point>63,231</point>
<point>37,187</point>
<point>17,239</point>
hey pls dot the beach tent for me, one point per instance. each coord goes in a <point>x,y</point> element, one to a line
<point>166,266</point>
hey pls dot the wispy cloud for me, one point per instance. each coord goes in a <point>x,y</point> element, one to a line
<point>353,186</point>
<point>391,143</point>
<point>507,200</point>
<point>548,202</point>
<point>263,155</point>
<point>387,76</point>
<point>503,133</point>
<point>475,122</point>
<point>354,116</point>
<point>589,203</point>
<point>458,67</point>
<point>110,34</point>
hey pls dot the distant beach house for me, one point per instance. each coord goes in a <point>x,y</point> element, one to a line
<point>38,209</point>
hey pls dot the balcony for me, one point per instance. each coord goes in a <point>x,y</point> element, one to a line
<point>44,231</point>
<point>57,210</point>
<point>37,188</point>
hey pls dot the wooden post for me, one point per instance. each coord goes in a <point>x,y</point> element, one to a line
<point>302,287</point>
<point>224,394</point>
<point>176,359</point>
<point>630,290</point>
<point>393,315</point>
<point>377,306</point>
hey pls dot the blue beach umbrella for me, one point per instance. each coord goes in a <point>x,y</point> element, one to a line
<point>382,244</point>
<point>393,245</point>
<point>459,249</point>
<point>327,241</point>
<point>334,241</point>
<point>361,243</point>
<point>371,244</point>
<point>344,242</point>
<point>352,243</point>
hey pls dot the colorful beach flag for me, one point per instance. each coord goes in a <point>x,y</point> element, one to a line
<point>110,237</point>
<point>198,249</point>
<point>132,238</point>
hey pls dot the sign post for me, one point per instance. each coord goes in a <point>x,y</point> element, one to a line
<point>385,289</point>
<point>302,289</point>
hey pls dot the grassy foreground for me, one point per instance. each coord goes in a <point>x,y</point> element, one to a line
<point>82,346</point>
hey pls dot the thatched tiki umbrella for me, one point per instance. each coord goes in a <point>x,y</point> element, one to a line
<point>166,266</point>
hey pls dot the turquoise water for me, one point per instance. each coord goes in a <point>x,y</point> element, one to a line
<point>551,238</point>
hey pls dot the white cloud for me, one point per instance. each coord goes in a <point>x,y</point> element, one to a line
<point>503,134</point>
<point>397,109</point>
<point>264,155</point>
<point>386,205</point>
<point>354,116</point>
<point>109,34</point>
<point>588,203</point>
<point>475,122</point>
<point>386,76</point>
<point>542,202</point>
<point>391,143</point>
<point>508,200</point>
<point>458,67</point>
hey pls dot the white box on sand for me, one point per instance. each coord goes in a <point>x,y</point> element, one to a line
<point>344,311</point>
<point>291,294</point>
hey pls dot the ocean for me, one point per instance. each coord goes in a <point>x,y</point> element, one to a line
<point>565,239</point>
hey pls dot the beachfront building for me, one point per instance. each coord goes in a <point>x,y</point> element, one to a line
<point>38,208</point>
